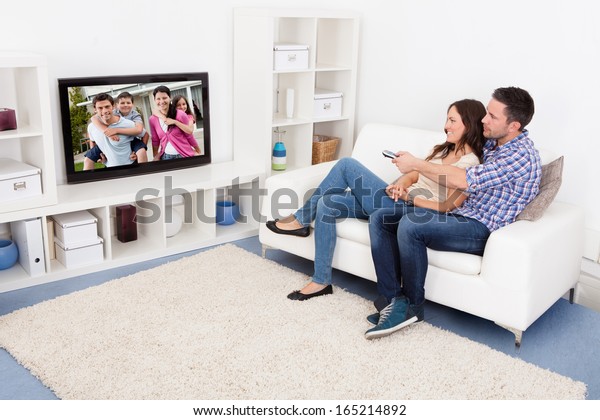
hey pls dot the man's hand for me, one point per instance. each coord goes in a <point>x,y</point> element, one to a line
<point>133,156</point>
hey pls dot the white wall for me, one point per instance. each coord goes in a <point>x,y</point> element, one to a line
<point>416,57</point>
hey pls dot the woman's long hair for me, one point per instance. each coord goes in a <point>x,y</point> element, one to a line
<point>471,112</point>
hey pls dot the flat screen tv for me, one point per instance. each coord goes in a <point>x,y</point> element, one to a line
<point>76,105</point>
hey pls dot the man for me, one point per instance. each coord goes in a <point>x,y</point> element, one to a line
<point>499,189</point>
<point>117,152</point>
<point>126,110</point>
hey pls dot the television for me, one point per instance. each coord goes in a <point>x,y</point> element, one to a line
<point>76,96</point>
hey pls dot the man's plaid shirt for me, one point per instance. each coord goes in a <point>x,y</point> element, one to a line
<point>506,181</point>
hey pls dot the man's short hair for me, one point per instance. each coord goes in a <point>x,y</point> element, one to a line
<point>103,97</point>
<point>519,104</point>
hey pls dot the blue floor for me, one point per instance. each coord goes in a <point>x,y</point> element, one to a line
<point>565,339</point>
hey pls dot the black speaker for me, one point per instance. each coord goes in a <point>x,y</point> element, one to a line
<point>126,225</point>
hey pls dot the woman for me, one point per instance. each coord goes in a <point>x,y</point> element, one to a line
<point>367,192</point>
<point>170,130</point>
<point>182,104</point>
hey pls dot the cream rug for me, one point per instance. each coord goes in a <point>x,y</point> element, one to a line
<point>217,325</point>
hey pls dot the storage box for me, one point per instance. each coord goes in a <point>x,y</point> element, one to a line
<point>18,180</point>
<point>324,148</point>
<point>80,254</point>
<point>328,104</point>
<point>290,56</point>
<point>126,225</point>
<point>78,227</point>
<point>8,119</point>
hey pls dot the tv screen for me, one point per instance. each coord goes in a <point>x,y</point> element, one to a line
<point>159,135</point>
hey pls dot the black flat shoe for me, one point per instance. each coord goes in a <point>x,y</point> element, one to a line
<point>297,295</point>
<point>303,231</point>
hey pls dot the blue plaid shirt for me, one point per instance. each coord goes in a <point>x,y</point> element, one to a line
<point>506,181</point>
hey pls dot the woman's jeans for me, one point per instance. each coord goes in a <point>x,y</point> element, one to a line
<point>399,242</point>
<point>167,156</point>
<point>349,190</point>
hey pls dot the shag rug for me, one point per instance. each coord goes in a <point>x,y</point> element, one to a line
<point>218,325</point>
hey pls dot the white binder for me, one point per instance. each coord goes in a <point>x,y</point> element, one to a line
<point>27,234</point>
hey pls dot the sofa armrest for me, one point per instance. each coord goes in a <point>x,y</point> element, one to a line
<point>542,255</point>
<point>286,192</point>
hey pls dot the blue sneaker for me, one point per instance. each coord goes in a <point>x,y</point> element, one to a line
<point>373,318</point>
<point>398,314</point>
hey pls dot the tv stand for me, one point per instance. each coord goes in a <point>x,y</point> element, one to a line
<point>150,193</point>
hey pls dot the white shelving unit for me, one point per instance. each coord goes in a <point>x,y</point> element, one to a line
<point>259,90</point>
<point>24,88</point>
<point>149,193</point>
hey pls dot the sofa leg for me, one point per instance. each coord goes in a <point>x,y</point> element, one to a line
<point>518,334</point>
<point>572,295</point>
<point>264,250</point>
<point>518,337</point>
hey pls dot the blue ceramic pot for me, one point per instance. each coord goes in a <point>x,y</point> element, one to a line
<point>9,254</point>
<point>227,212</point>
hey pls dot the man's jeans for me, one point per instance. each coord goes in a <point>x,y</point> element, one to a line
<point>332,200</point>
<point>399,242</point>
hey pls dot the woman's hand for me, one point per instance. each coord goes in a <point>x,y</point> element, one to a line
<point>395,192</point>
<point>404,161</point>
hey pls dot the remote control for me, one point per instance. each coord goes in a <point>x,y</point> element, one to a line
<point>389,154</point>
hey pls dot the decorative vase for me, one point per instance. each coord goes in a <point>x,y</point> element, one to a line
<point>9,254</point>
<point>227,212</point>
<point>279,153</point>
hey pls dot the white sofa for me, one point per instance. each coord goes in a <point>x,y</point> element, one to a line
<point>527,266</point>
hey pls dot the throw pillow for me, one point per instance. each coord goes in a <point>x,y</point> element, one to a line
<point>549,185</point>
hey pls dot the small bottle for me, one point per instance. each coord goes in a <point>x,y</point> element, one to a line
<point>278,162</point>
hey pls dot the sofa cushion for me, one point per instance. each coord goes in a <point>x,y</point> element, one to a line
<point>357,230</point>
<point>549,186</point>
<point>457,262</point>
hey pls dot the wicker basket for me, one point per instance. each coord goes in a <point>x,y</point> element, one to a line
<point>324,148</point>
